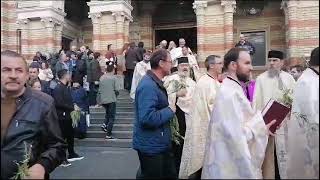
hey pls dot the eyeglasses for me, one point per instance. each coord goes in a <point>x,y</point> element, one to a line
<point>167,61</point>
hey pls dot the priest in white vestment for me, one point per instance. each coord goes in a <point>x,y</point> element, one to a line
<point>196,131</point>
<point>180,88</point>
<point>273,84</point>
<point>303,127</point>
<point>237,135</point>
<point>139,71</point>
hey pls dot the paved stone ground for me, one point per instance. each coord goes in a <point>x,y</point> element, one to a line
<point>100,163</point>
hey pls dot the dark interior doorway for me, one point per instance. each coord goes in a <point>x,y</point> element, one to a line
<point>189,34</point>
<point>65,44</point>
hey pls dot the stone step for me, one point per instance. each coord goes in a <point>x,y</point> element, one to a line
<point>118,109</point>
<point>115,134</point>
<point>116,127</point>
<point>122,120</point>
<point>101,115</point>
<point>101,142</point>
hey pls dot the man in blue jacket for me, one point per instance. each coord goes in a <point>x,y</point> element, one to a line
<point>151,134</point>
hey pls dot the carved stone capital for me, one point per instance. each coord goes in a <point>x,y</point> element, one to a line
<point>50,22</point>
<point>229,5</point>
<point>199,7</point>
<point>23,23</point>
<point>95,17</point>
<point>119,16</point>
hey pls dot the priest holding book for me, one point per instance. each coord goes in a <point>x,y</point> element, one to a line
<point>303,127</point>
<point>274,84</point>
<point>237,135</point>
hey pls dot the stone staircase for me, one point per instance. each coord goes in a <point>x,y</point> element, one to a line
<point>122,128</point>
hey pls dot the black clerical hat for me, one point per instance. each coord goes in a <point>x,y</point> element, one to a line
<point>183,60</point>
<point>275,54</point>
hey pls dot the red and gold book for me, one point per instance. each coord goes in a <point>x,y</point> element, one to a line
<point>275,110</point>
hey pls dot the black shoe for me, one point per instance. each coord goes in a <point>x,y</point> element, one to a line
<point>74,157</point>
<point>65,164</point>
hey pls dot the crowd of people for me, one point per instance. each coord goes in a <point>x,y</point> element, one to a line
<point>189,124</point>
<point>193,125</point>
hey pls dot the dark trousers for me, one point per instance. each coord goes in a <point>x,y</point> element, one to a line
<point>276,168</point>
<point>67,132</point>
<point>93,90</point>
<point>160,166</point>
<point>196,175</point>
<point>177,149</point>
<point>128,79</point>
<point>110,116</point>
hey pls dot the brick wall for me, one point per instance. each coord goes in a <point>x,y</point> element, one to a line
<point>302,27</point>
<point>8,26</point>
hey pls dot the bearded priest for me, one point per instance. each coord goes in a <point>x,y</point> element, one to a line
<point>237,135</point>
<point>275,84</point>
<point>180,88</point>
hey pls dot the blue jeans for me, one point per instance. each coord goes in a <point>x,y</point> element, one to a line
<point>110,116</point>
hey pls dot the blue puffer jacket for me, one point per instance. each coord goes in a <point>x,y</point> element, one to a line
<point>151,133</point>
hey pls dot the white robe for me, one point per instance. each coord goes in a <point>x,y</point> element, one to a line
<point>237,136</point>
<point>266,88</point>
<point>303,138</point>
<point>139,71</point>
<point>196,133</point>
<point>184,103</point>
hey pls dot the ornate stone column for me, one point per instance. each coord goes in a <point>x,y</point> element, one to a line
<point>302,27</point>
<point>24,26</point>
<point>50,25</point>
<point>126,30</point>
<point>199,8</point>
<point>96,20</point>
<point>119,17</point>
<point>229,8</point>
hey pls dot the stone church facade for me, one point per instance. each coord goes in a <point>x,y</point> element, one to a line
<point>291,26</point>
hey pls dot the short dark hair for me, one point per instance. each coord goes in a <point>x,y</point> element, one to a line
<point>314,59</point>
<point>35,65</point>
<point>96,55</point>
<point>140,44</point>
<point>109,66</point>
<point>132,44</point>
<point>62,73</point>
<point>211,59</point>
<point>160,54</point>
<point>109,45</point>
<point>36,58</point>
<point>89,52</point>
<point>68,54</point>
<point>232,55</point>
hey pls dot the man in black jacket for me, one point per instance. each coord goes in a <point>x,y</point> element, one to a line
<point>64,105</point>
<point>131,60</point>
<point>28,120</point>
<point>140,51</point>
<point>244,43</point>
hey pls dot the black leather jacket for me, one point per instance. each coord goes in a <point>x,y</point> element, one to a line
<point>35,123</point>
